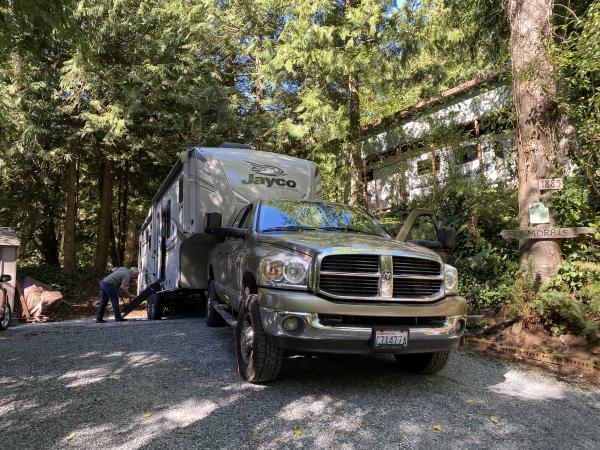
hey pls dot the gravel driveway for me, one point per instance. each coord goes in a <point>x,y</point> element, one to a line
<point>173,384</point>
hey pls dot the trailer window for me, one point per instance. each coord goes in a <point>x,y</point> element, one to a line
<point>180,191</point>
<point>166,215</point>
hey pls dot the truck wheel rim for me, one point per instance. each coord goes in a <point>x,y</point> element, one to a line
<point>247,339</point>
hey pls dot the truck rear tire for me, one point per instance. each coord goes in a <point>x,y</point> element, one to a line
<point>258,359</point>
<point>155,307</point>
<point>213,318</point>
<point>425,363</point>
<point>5,321</point>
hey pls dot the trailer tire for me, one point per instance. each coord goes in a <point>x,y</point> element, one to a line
<point>5,322</point>
<point>424,363</point>
<point>155,307</point>
<point>259,360</point>
<point>213,318</point>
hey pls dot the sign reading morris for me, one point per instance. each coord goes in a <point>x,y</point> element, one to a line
<point>546,233</point>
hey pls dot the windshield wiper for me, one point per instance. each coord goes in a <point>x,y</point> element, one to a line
<point>349,230</point>
<point>289,228</point>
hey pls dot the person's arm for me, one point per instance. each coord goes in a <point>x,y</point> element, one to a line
<point>125,293</point>
<point>124,288</point>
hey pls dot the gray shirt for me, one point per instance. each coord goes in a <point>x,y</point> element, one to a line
<point>119,278</point>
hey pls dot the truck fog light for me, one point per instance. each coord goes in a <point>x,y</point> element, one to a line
<point>291,324</point>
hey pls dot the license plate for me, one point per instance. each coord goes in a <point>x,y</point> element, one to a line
<point>390,339</point>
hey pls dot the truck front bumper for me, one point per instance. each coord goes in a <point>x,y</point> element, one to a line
<point>314,336</point>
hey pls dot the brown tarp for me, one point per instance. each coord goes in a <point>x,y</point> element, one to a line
<point>41,299</point>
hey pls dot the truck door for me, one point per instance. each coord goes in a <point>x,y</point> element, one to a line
<point>234,254</point>
<point>422,228</point>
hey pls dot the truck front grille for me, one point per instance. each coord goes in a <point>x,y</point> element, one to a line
<point>415,266</point>
<point>406,287</point>
<point>359,277</point>
<point>349,285</point>
<point>351,263</point>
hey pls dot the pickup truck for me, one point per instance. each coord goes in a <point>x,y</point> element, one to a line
<point>313,276</point>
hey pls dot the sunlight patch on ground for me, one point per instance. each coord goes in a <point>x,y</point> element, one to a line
<point>78,378</point>
<point>305,407</point>
<point>9,406</point>
<point>528,386</point>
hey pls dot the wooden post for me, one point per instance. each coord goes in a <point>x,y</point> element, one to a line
<point>21,295</point>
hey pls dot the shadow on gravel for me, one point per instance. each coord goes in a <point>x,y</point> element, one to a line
<point>173,384</point>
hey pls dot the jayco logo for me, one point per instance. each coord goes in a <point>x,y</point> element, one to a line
<point>272,175</point>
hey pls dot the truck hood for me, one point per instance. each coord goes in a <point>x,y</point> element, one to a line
<point>333,242</point>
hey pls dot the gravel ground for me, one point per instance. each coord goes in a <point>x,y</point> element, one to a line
<point>173,384</point>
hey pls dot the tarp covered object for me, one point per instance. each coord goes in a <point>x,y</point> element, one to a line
<point>41,299</point>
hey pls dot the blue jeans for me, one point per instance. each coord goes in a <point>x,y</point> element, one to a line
<point>108,291</point>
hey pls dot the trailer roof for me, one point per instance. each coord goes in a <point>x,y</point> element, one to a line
<point>167,181</point>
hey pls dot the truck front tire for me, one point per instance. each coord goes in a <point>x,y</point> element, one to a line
<point>258,359</point>
<point>213,318</point>
<point>425,363</point>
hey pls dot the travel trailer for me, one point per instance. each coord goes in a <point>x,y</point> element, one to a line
<point>291,272</point>
<point>173,245</point>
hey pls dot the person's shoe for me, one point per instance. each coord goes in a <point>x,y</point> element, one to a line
<point>100,321</point>
<point>121,319</point>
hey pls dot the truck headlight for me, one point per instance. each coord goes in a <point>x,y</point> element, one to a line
<point>283,271</point>
<point>450,279</point>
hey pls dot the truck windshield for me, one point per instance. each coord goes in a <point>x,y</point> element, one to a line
<point>287,215</point>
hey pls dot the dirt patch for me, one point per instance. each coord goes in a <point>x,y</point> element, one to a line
<point>493,325</point>
<point>88,310</point>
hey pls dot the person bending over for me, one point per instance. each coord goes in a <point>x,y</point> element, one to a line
<point>111,286</point>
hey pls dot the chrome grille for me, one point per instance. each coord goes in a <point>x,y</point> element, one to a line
<point>356,277</point>
<point>410,288</point>
<point>415,266</point>
<point>351,263</point>
<point>349,286</point>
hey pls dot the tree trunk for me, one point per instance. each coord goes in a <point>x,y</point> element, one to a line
<point>131,246</point>
<point>70,217</point>
<point>534,92</point>
<point>49,242</point>
<point>121,235</point>
<point>358,187</point>
<point>104,217</point>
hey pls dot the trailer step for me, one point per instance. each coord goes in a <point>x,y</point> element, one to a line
<point>226,315</point>
<point>134,303</point>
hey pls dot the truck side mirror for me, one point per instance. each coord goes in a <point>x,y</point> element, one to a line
<point>212,221</point>
<point>447,237</point>
<point>5,278</point>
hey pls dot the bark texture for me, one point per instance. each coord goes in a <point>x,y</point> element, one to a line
<point>358,187</point>
<point>534,90</point>
<point>69,262</point>
<point>104,217</point>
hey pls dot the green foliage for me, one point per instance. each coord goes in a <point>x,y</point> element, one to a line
<point>570,301</point>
